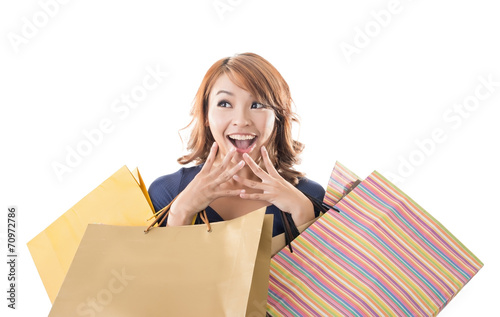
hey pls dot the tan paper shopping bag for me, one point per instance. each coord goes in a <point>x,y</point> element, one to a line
<point>170,271</point>
<point>122,199</point>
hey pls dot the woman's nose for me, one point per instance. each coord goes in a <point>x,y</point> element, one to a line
<point>241,117</point>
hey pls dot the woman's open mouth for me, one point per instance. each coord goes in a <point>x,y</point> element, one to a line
<point>244,143</point>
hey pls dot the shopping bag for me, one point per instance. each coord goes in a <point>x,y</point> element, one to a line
<point>170,271</point>
<point>122,199</point>
<point>341,181</point>
<point>381,255</point>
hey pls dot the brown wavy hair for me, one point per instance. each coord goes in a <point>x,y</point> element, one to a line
<point>253,73</point>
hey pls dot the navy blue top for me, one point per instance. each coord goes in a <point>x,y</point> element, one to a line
<point>165,188</point>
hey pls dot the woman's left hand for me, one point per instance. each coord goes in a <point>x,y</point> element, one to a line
<point>276,190</point>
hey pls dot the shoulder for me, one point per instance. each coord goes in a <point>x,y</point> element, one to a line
<point>165,188</point>
<point>311,187</point>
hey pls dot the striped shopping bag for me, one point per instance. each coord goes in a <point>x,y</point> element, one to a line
<point>341,181</point>
<point>380,255</point>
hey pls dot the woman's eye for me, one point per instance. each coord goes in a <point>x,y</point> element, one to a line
<point>257,105</point>
<point>224,104</point>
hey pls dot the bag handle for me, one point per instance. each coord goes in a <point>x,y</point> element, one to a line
<point>161,216</point>
<point>291,230</point>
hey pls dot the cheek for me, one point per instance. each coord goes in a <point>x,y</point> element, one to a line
<point>216,122</point>
<point>268,124</point>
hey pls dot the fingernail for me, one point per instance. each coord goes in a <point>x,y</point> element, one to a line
<point>241,163</point>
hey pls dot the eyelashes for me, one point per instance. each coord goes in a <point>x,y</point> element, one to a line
<point>258,106</point>
<point>223,104</point>
<point>255,105</point>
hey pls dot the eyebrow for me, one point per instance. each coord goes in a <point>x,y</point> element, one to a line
<point>225,92</point>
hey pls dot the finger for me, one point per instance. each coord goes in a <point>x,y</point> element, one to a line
<point>252,184</point>
<point>267,162</point>
<point>256,169</point>
<point>210,159</point>
<point>229,156</point>
<point>228,173</point>
<point>228,193</point>
<point>256,196</point>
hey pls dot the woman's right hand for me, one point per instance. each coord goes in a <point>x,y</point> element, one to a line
<point>204,188</point>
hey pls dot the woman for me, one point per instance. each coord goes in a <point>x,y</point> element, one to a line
<point>242,144</point>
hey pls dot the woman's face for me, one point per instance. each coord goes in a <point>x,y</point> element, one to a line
<point>237,120</point>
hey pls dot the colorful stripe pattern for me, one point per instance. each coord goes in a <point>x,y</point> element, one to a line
<point>341,180</point>
<point>382,255</point>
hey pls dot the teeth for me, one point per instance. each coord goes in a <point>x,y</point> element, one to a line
<point>242,137</point>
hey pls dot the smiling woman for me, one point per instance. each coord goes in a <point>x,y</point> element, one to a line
<point>234,115</point>
<point>243,149</point>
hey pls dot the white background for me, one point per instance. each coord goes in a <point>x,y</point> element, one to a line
<point>368,113</point>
